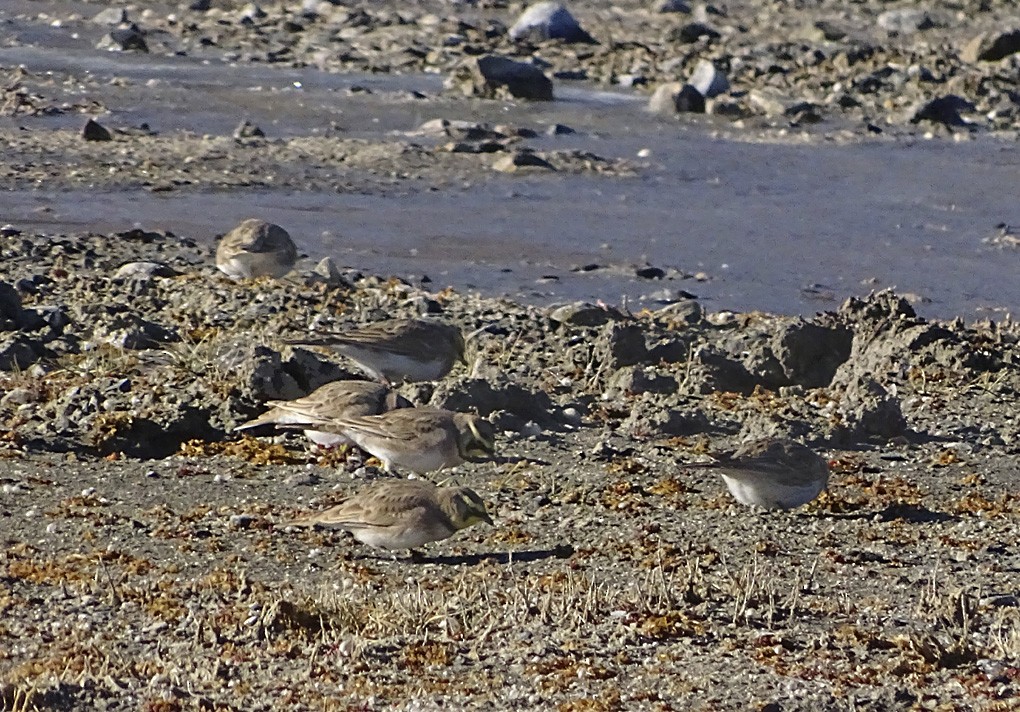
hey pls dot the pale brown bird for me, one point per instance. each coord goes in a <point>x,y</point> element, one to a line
<point>256,248</point>
<point>772,473</point>
<point>417,440</point>
<point>399,349</point>
<point>338,399</point>
<point>402,514</point>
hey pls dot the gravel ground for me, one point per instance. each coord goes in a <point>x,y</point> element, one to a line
<point>143,566</point>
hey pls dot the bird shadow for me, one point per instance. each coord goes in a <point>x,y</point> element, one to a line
<point>515,460</point>
<point>564,551</point>
<point>913,513</point>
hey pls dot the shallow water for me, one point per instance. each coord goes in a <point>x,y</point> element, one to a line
<point>784,227</point>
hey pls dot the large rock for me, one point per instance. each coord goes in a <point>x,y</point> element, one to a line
<point>132,332</point>
<point>548,21</point>
<point>800,353</point>
<point>94,131</point>
<point>18,352</point>
<point>708,80</point>
<point>676,98</point>
<point>494,77</point>
<point>486,397</point>
<point>10,307</point>
<point>868,410</point>
<point>650,419</point>
<point>790,352</point>
<point>991,48</point>
<point>124,39</point>
<point>584,314</point>
<point>623,344</point>
<point>678,6</point>
<point>943,110</point>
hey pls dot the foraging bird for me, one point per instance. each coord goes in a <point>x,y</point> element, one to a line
<point>403,514</point>
<point>338,399</point>
<point>398,349</point>
<point>419,440</point>
<point>773,473</point>
<point>256,248</point>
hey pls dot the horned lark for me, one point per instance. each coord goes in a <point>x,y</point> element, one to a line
<point>398,350</point>
<point>256,248</point>
<point>339,399</point>
<point>773,473</point>
<point>403,514</point>
<point>418,440</point>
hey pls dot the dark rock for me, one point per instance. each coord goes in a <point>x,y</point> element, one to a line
<point>674,98</point>
<point>624,344</point>
<point>804,112</point>
<point>516,160</point>
<point>686,311</point>
<point>485,397</point>
<point>584,314</point>
<point>124,39</point>
<point>991,48</point>
<point>149,438</point>
<point>259,374</point>
<point>200,5</point>
<point>692,32</point>
<point>492,77</point>
<point>689,100</point>
<point>144,270</point>
<point>310,371</point>
<point>717,371</point>
<point>678,6</point>
<point>548,21</point>
<point>708,80</point>
<point>672,349</point>
<point>94,131</point>
<point>18,352</point>
<point>10,307</point>
<point>878,308</point>
<point>129,331</point>
<point>559,130</point>
<point>246,129</point>
<point>650,272</point>
<point>944,110</point>
<point>831,32</point>
<point>56,318</point>
<point>905,21</point>
<point>647,421</point>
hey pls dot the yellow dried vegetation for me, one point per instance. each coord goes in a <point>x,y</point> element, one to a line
<point>253,450</point>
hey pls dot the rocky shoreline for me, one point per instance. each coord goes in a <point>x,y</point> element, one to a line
<point>144,564</point>
<point>143,568</point>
